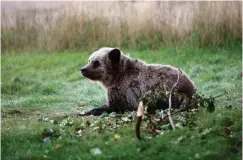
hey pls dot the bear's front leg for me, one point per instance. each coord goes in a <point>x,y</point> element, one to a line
<point>98,111</point>
<point>117,101</point>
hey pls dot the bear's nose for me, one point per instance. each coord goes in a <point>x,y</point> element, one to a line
<point>83,70</point>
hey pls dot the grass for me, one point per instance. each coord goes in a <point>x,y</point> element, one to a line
<point>50,86</point>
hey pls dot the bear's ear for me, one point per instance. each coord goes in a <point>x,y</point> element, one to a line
<point>114,55</point>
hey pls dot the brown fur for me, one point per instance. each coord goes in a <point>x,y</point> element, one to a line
<point>126,80</point>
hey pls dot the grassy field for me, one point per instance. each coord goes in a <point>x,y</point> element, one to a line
<point>40,90</point>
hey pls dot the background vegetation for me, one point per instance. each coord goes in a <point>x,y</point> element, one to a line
<point>44,44</point>
<point>76,26</point>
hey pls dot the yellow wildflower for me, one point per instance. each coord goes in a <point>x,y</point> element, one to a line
<point>116,137</point>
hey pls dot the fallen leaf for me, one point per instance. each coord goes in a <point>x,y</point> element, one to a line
<point>95,151</point>
<point>58,146</point>
<point>87,123</point>
<point>46,139</point>
<point>116,137</point>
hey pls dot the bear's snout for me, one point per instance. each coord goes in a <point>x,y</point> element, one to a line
<point>90,73</point>
<point>84,71</point>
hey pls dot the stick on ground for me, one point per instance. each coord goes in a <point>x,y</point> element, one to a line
<point>139,119</point>
<point>171,92</point>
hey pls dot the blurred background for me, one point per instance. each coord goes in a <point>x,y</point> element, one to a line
<point>81,26</point>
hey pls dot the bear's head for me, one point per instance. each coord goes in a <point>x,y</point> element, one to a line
<point>103,65</point>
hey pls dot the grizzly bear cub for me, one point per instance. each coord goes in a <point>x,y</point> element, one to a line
<point>126,80</point>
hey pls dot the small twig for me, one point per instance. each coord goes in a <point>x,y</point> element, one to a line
<point>179,110</point>
<point>222,135</point>
<point>186,108</point>
<point>220,95</point>
<point>116,125</point>
<point>171,92</point>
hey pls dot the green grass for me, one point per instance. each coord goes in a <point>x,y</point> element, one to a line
<point>51,86</point>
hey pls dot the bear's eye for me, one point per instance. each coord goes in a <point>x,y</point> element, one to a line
<point>96,64</point>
